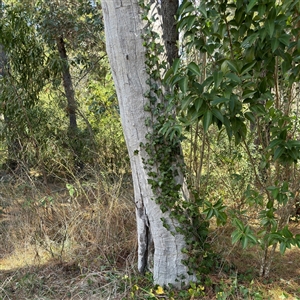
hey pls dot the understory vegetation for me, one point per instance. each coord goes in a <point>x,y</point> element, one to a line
<point>67,214</point>
<point>76,239</point>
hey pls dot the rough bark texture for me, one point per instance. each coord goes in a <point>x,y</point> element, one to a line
<point>123,28</point>
<point>67,82</point>
<point>170,33</point>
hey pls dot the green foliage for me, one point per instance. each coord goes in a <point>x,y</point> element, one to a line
<point>34,128</point>
<point>245,55</point>
<point>244,49</point>
<point>79,24</point>
<point>216,210</point>
<point>236,290</point>
<point>238,70</point>
<point>23,77</point>
<point>104,117</point>
<point>243,233</point>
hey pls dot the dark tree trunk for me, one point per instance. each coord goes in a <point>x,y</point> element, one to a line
<point>74,139</point>
<point>67,82</point>
<point>170,34</point>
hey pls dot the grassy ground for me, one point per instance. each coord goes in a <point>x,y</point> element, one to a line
<point>78,241</point>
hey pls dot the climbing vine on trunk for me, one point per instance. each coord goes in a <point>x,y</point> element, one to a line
<point>164,150</point>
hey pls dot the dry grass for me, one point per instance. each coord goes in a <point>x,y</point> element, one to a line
<point>65,241</point>
<point>77,240</point>
<point>63,281</point>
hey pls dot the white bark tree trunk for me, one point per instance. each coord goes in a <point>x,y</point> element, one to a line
<point>123,29</point>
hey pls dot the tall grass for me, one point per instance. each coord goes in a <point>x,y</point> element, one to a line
<point>86,226</point>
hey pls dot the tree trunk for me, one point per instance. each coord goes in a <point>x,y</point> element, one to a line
<point>170,33</point>
<point>67,82</point>
<point>123,29</point>
<point>71,107</point>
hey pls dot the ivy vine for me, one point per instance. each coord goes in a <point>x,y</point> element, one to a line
<point>165,159</point>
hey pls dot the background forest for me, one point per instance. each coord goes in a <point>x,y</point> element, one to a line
<point>67,216</point>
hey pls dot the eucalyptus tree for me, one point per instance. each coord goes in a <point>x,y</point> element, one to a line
<point>64,24</point>
<point>37,47</point>
<point>155,161</point>
<point>71,32</point>
<point>251,69</point>
<point>23,70</point>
